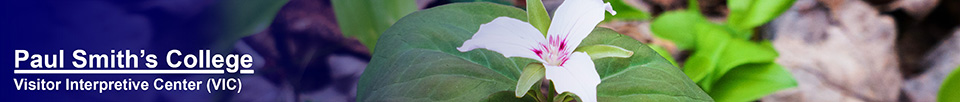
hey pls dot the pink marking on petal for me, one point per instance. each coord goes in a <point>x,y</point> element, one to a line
<point>538,52</point>
<point>554,51</point>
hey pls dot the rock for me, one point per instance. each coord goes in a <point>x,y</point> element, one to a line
<point>940,62</point>
<point>839,52</point>
<point>919,36</point>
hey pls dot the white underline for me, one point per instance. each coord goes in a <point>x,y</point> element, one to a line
<point>127,71</point>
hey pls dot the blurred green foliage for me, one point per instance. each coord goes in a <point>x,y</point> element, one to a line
<point>244,18</point>
<point>366,19</point>
<point>950,89</point>
<point>626,12</point>
<point>724,61</point>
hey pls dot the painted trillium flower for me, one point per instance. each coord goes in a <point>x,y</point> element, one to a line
<point>570,71</point>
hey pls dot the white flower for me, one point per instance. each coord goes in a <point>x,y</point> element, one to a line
<point>570,71</point>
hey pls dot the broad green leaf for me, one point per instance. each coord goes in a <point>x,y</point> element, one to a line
<point>504,96</point>
<point>367,19</point>
<point>751,82</point>
<point>503,2</point>
<point>538,16</point>
<point>626,12</point>
<point>640,77</point>
<point>244,18</point>
<point>676,26</point>
<point>723,59</point>
<point>711,40</point>
<point>740,52</point>
<point>663,53</point>
<point>950,89</point>
<point>604,51</point>
<point>747,14</point>
<point>417,60</point>
<point>530,75</point>
<point>698,67</point>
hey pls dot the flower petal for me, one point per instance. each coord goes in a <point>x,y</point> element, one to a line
<point>575,19</point>
<point>578,76</point>
<point>507,36</point>
<point>609,8</point>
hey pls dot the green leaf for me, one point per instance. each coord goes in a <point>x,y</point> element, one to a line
<point>751,82</point>
<point>244,18</point>
<point>531,75</point>
<point>604,51</point>
<point>640,77</point>
<point>698,67</point>
<point>747,14</point>
<point>723,54</point>
<point>711,40</point>
<point>566,97</point>
<point>626,11</point>
<point>740,52</point>
<point>504,96</point>
<point>536,93</point>
<point>676,26</point>
<point>693,6</point>
<point>538,16</point>
<point>950,89</point>
<point>502,2</point>
<point>417,60</point>
<point>663,53</point>
<point>367,19</point>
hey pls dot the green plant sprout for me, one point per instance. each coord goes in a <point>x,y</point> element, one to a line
<point>724,62</point>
